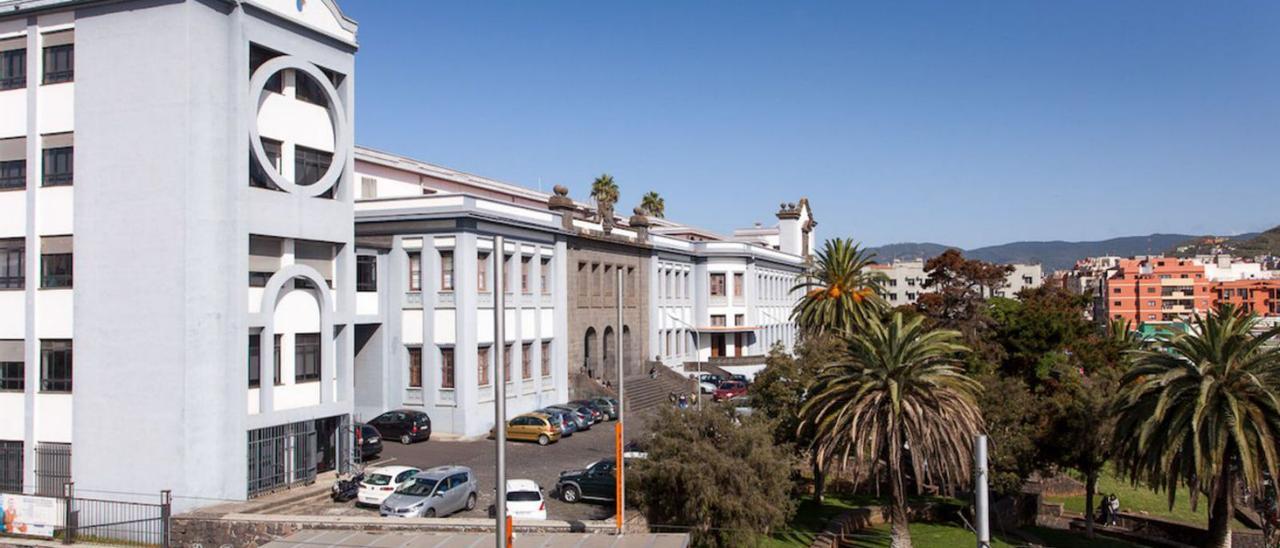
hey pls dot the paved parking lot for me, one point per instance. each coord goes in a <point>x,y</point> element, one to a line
<point>524,461</point>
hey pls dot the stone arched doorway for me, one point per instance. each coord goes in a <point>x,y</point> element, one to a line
<point>588,343</point>
<point>607,349</point>
<point>629,361</point>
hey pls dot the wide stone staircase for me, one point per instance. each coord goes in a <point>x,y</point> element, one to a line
<point>644,393</point>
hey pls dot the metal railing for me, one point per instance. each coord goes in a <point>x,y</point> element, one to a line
<point>114,521</point>
<point>280,456</point>
<point>53,468</point>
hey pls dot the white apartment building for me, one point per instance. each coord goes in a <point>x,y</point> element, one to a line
<point>175,190</point>
<point>905,280</point>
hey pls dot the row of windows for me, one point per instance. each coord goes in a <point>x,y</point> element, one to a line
<point>674,284</point>
<point>306,358</point>
<point>447,278</point>
<point>309,165</point>
<point>718,288</point>
<point>55,268</point>
<point>58,169</point>
<point>600,280</point>
<point>448,370</point>
<point>55,369</point>
<point>59,66</point>
<point>774,286</point>
<point>675,342</point>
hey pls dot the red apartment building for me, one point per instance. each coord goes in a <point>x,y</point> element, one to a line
<point>1157,290</point>
<point>1261,297</point>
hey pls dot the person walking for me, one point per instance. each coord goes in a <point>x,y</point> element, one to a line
<point>1114,504</point>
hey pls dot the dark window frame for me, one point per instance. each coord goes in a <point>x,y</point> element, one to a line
<point>545,358</point>
<point>16,277</point>
<point>306,357</point>
<point>13,376</point>
<point>56,366</point>
<point>258,177</point>
<point>57,270</point>
<point>309,165</point>
<point>415,366</point>
<point>366,272</point>
<point>59,64</point>
<point>58,166</point>
<point>13,68</point>
<point>255,359</point>
<point>259,55</point>
<point>448,369</point>
<point>716,290</point>
<point>13,174</point>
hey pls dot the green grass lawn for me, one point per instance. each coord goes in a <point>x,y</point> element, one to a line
<point>811,518</point>
<point>927,535</point>
<point>1139,499</point>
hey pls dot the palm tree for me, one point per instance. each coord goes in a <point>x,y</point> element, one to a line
<point>1202,409</point>
<point>606,193</point>
<point>899,387</point>
<point>840,290</point>
<point>653,204</point>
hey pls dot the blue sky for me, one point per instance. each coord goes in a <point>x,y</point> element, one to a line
<point>965,123</point>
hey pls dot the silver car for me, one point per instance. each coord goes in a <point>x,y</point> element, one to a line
<point>435,492</point>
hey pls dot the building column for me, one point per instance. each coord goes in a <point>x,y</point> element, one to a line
<point>466,386</point>
<point>430,284</point>
<point>35,168</point>
<point>560,297</point>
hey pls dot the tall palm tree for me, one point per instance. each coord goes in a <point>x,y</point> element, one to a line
<point>1202,409</point>
<point>653,204</point>
<point>900,387</point>
<point>840,291</point>
<point>606,194</point>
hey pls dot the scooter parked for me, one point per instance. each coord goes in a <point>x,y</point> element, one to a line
<point>346,489</point>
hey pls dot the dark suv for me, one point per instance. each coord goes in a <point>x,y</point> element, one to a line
<point>369,441</point>
<point>595,482</point>
<point>406,425</point>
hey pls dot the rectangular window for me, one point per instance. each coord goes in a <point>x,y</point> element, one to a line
<point>506,273</point>
<point>368,188</point>
<point>415,367</point>
<point>12,376</point>
<point>446,271</point>
<point>257,175</point>
<point>277,378</point>
<point>58,168</point>
<point>739,319</point>
<point>717,320</point>
<point>308,90</point>
<point>59,63</point>
<point>506,363</point>
<point>546,359</point>
<point>55,270</point>
<point>525,264</point>
<point>12,255</point>
<point>306,357</point>
<point>13,174</point>
<point>717,285</point>
<point>609,281</point>
<point>366,273</point>
<point>255,358</point>
<point>737,284</point>
<point>309,164</point>
<point>13,69</point>
<point>446,368</point>
<point>545,273</point>
<point>415,271</point>
<point>259,55</point>
<point>482,272</point>
<point>55,365</point>
<point>526,361</point>
<point>482,365</point>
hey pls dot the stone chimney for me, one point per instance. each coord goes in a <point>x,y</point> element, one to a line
<point>559,202</point>
<point>640,223</point>
<point>790,233</point>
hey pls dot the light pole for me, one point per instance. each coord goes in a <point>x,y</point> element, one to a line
<point>697,383</point>
<point>500,386</point>
<point>980,488</point>
<point>620,464</point>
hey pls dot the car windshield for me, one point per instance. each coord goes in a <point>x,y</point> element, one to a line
<point>418,487</point>
<point>377,479</point>
<point>524,496</point>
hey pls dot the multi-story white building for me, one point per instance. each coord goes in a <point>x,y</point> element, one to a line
<point>905,280</point>
<point>176,191</point>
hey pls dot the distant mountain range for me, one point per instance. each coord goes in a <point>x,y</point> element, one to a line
<point>1060,255</point>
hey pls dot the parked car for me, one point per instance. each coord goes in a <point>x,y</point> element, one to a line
<point>369,440</point>
<point>524,500</point>
<point>568,421</point>
<point>740,377</point>
<point>608,405</point>
<point>597,414</point>
<point>729,389</point>
<point>584,419</point>
<point>532,427</point>
<point>579,422</point>
<point>595,482</point>
<point>405,424</point>
<point>708,383</point>
<point>434,492</point>
<point>380,482</point>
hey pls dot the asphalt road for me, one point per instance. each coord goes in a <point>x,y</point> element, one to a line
<point>525,460</point>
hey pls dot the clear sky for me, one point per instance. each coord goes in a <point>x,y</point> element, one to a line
<point>964,123</point>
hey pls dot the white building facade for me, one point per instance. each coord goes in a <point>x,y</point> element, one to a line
<point>904,280</point>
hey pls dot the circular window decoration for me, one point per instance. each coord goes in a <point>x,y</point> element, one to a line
<point>341,148</point>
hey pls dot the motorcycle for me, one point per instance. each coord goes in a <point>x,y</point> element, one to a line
<point>346,489</point>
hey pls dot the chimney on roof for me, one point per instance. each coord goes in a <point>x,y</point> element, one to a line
<point>559,202</point>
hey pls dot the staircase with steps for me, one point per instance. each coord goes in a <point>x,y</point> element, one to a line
<point>644,393</point>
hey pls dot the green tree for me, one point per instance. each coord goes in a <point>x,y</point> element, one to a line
<point>1012,415</point>
<point>779,390</point>
<point>606,194</point>
<point>721,479</point>
<point>959,289</point>
<point>653,204</point>
<point>840,291</point>
<point>1202,409</point>
<point>898,386</point>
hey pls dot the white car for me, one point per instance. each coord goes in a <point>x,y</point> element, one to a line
<point>524,500</point>
<point>379,483</point>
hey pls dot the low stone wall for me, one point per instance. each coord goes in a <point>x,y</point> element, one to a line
<point>251,530</point>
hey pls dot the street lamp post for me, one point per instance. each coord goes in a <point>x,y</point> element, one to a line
<point>620,440</point>
<point>500,388</point>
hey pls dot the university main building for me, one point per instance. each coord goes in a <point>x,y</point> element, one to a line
<point>204,282</point>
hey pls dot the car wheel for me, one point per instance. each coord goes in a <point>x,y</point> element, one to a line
<point>405,439</point>
<point>471,502</point>
<point>543,439</point>
<point>570,494</point>
<point>430,513</point>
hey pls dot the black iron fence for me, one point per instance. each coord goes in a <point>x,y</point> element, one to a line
<point>118,522</point>
<point>11,459</point>
<point>280,456</point>
<point>53,468</point>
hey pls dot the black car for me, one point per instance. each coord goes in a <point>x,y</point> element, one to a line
<point>741,378</point>
<point>595,482</point>
<point>406,425</point>
<point>369,440</point>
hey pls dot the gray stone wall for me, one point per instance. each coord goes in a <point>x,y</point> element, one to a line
<point>592,306</point>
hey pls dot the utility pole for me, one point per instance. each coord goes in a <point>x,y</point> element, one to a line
<point>620,466</point>
<point>500,386</point>
<point>980,491</point>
